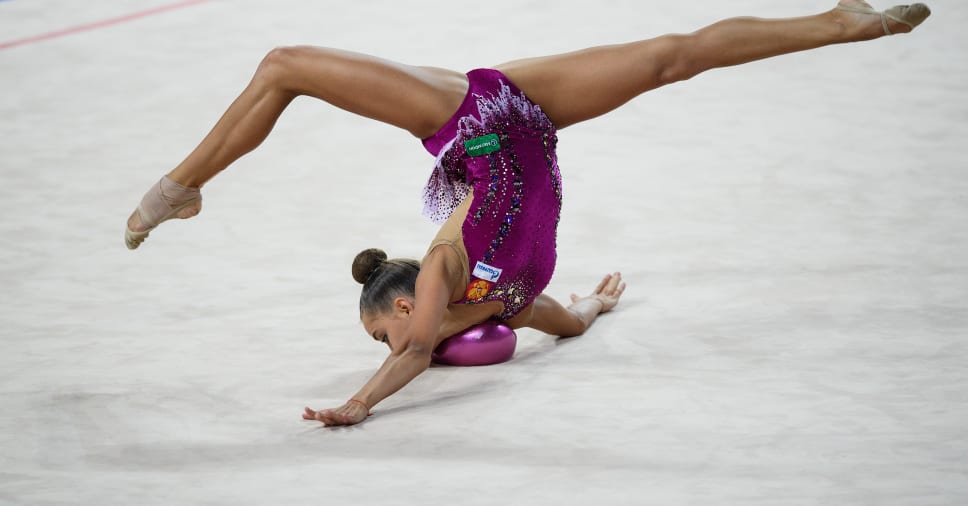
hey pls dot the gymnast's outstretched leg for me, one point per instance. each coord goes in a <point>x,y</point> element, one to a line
<point>570,88</point>
<point>578,86</point>
<point>417,99</point>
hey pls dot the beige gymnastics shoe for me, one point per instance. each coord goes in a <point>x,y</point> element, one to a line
<point>910,15</point>
<point>164,201</point>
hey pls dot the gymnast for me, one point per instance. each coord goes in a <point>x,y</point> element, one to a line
<point>495,186</point>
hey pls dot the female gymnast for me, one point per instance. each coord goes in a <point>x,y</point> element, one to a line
<point>496,185</point>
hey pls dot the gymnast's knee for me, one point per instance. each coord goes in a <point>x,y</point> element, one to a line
<point>279,63</point>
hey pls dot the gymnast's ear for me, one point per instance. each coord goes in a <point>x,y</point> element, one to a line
<point>403,306</point>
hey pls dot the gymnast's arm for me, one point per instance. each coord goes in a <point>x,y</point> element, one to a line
<point>551,317</point>
<point>411,355</point>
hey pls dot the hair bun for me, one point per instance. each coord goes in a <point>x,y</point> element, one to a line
<point>366,262</point>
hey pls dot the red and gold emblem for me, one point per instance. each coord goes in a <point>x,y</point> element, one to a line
<point>478,289</point>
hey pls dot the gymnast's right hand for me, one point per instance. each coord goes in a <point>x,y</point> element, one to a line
<point>608,292</point>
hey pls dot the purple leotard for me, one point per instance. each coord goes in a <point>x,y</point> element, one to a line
<point>503,146</point>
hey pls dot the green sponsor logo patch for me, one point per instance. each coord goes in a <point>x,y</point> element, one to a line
<point>485,145</point>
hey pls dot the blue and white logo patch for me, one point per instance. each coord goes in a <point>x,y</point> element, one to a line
<point>487,272</point>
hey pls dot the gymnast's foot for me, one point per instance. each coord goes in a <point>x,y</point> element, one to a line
<point>869,23</point>
<point>164,201</point>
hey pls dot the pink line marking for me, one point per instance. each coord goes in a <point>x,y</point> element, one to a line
<point>99,24</point>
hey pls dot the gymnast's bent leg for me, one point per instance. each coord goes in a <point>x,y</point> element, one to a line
<point>578,86</point>
<point>417,99</point>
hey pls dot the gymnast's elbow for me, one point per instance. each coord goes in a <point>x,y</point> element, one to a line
<point>574,328</point>
<point>418,354</point>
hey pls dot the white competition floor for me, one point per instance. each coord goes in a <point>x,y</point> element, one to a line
<point>793,233</point>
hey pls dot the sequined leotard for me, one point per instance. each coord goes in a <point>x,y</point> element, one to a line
<point>500,147</point>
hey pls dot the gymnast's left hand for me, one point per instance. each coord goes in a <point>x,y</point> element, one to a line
<point>350,413</point>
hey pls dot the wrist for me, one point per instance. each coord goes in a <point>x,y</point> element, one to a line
<point>361,403</point>
<point>599,301</point>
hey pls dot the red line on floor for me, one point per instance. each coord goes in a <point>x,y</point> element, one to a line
<point>99,24</point>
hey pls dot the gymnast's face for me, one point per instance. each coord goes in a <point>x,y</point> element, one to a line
<point>389,326</point>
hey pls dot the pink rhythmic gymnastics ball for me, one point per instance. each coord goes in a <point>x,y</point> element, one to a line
<point>486,343</point>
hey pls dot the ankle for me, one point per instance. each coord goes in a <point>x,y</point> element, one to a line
<point>185,179</point>
<point>854,26</point>
<point>175,193</point>
<point>839,24</point>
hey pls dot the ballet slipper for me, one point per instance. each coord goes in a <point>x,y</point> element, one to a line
<point>164,201</point>
<point>910,15</point>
